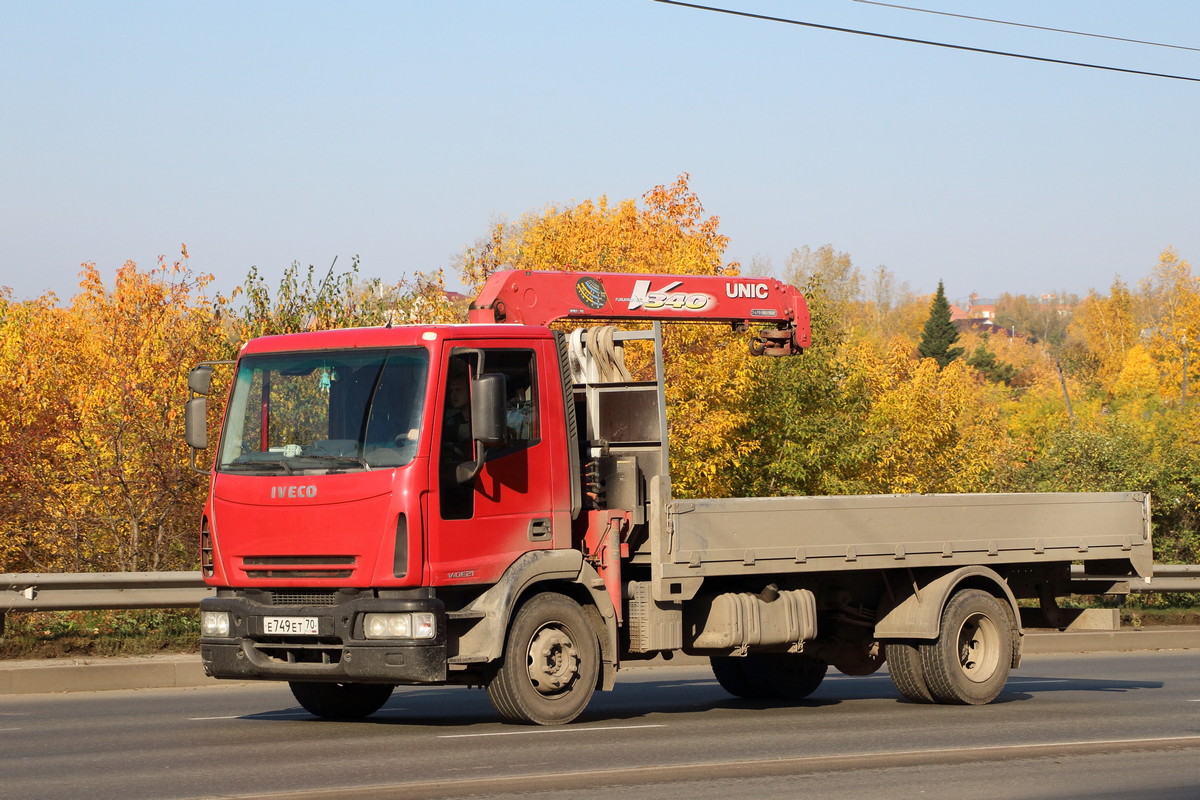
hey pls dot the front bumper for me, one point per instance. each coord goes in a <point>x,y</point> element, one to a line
<point>337,653</point>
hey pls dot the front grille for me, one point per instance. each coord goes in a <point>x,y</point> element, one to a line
<point>302,598</point>
<point>299,573</point>
<point>319,566</point>
<point>206,551</point>
<point>301,653</point>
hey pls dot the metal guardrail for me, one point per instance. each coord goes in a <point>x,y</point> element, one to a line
<point>1167,578</point>
<point>77,591</point>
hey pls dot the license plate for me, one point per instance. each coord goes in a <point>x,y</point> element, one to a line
<point>290,626</point>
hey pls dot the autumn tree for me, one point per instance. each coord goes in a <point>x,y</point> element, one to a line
<point>1168,312</point>
<point>307,300</point>
<point>807,415</point>
<point>888,304</point>
<point>97,474</point>
<point>939,334</point>
<point>984,359</point>
<point>1043,318</point>
<point>1100,335</point>
<point>841,280</point>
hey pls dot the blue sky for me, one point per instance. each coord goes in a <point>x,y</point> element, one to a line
<point>266,132</point>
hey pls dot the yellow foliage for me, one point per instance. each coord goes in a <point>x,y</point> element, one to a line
<point>1138,378</point>
<point>1170,305</point>
<point>1105,328</point>
<point>933,430</point>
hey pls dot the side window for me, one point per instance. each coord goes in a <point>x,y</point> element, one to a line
<point>455,445</point>
<point>520,405</point>
<point>520,411</point>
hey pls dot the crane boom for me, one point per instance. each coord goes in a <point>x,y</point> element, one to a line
<point>538,298</point>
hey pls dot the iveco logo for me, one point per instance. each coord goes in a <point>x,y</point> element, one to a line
<point>293,491</point>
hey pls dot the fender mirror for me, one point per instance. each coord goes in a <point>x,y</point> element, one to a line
<point>200,379</point>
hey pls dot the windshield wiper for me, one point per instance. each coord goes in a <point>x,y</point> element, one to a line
<point>357,460</point>
<point>238,465</point>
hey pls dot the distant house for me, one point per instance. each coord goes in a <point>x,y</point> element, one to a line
<point>981,308</point>
<point>1060,308</point>
<point>979,316</point>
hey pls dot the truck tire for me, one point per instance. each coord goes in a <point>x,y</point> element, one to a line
<point>730,672</point>
<point>341,700</point>
<point>968,663</point>
<point>792,676</point>
<point>550,665</point>
<point>904,664</point>
<point>762,676</point>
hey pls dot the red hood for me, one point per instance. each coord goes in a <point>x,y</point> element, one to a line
<point>307,530</point>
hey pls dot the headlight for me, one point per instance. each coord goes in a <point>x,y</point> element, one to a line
<point>399,626</point>
<point>214,623</point>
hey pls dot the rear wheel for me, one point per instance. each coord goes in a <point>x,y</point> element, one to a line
<point>730,672</point>
<point>904,664</point>
<point>551,663</point>
<point>792,676</point>
<point>341,700</point>
<point>968,663</point>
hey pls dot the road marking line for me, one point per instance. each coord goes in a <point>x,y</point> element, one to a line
<point>203,719</point>
<point>548,730</point>
<point>266,715</point>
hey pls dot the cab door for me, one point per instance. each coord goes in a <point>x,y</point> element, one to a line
<point>479,527</point>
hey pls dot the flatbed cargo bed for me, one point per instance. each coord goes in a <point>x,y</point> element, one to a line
<point>745,536</point>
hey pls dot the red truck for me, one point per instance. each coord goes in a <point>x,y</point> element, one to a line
<point>490,505</point>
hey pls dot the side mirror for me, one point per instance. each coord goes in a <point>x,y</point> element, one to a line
<point>195,422</point>
<point>200,379</point>
<point>489,425</point>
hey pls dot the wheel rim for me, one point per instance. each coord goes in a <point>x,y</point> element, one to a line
<point>553,661</point>
<point>978,648</point>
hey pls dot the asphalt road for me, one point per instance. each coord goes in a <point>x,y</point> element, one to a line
<point>1097,726</point>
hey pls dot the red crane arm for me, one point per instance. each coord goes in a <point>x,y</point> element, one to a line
<point>529,297</point>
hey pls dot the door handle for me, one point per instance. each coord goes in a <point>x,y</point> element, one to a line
<point>539,530</point>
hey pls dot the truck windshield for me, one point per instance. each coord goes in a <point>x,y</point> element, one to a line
<point>331,411</point>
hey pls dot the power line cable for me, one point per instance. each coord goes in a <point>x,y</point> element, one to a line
<point>927,42</point>
<point>1025,25</point>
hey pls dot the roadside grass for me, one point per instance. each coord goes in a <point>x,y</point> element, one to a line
<point>66,634</point>
<point>1148,617</point>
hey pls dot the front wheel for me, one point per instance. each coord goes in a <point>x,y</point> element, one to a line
<point>341,700</point>
<point>969,661</point>
<point>551,663</point>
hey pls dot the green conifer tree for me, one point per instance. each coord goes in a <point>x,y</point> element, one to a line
<point>939,334</point>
